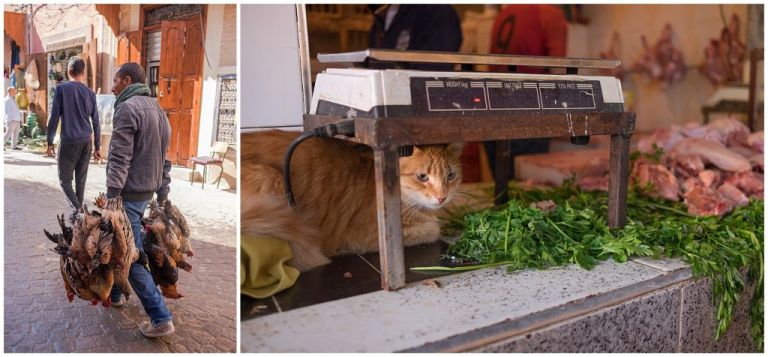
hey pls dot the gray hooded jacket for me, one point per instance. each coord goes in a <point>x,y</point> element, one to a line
<point>137,167</point>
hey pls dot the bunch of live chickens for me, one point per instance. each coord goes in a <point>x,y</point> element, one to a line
<point>165,245</point>
<point>713,168</point>
<point>96,252</point>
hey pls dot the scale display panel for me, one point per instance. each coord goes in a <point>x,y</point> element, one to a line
<point>446,95</point>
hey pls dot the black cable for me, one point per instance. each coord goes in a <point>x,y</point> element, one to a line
<point>287,166</point>
<point>346,127</point>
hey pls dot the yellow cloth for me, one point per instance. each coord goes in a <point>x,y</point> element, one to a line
<point>263,268</point>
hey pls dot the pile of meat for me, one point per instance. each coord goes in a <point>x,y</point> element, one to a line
<point>713,168</point>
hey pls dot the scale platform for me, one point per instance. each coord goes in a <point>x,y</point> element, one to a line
<point>395,108</point>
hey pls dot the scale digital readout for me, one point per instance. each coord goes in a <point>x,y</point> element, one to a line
<point>430,95</point>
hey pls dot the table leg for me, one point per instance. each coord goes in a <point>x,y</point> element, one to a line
<point>388,215</point>
<point>617,180</point>
<point>501,174</point>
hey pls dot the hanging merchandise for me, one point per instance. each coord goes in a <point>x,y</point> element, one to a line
<point>724,58</point>
<point>31,76</point>
<point>663,61</point>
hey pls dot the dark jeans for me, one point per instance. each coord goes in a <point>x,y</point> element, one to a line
<point>139,277</point>
<point>74,158</point>
<point>518,147</point>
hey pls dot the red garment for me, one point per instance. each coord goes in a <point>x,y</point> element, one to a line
<point>529,30</point>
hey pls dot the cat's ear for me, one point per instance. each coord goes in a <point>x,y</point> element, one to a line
<point>455,149</point>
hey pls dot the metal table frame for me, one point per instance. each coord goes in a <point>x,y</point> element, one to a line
<point>387,135</point>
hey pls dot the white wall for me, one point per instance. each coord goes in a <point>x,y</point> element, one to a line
<point>211,73</point>
<point>271,92</point>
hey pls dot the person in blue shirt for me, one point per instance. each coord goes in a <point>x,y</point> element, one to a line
<point>74,106</point>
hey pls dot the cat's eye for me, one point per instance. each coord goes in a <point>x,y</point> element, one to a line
<point>422,177</point>
<point>451,175</point>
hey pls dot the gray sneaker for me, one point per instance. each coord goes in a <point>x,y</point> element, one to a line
<point>151,330</point>
<point>119,303</point>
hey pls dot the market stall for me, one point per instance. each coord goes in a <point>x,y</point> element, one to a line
<point>526,264</point>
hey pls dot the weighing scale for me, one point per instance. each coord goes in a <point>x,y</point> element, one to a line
<point>393,109</point>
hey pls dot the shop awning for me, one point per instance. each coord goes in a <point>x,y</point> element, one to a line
<point>15,27</point>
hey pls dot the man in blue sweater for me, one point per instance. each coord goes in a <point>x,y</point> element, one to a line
<point>74,106</point>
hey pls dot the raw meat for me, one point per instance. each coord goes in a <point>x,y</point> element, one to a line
<point>690,183</point>
<point>742,150</point>
<point>733,194</point>
<point>755,141</point>
<point>733,131</point>
<point>709,178</point>
<point>546,206</point>
<point>703,201</point>
<point>704,132</point>
<point>593,183</point>
<point>684,166</point>
<point>664,184</point>
<point>664,138</point>
<point>713,152</point>
<point>758,161</point>
<point>751,183</point>
<point>662,61</point>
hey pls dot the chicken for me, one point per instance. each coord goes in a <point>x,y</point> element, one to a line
<point>175,216</point>
<point>161,265</point>
<point>85,253</point>
<point>172,232</point>
<point>123,246</point>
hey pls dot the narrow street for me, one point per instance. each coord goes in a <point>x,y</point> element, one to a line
<point>38,317</point>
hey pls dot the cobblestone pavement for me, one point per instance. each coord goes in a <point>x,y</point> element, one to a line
<point>38,317</point>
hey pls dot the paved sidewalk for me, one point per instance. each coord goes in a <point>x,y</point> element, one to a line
<point>38,317</point>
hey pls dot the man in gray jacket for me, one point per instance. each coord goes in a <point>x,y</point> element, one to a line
<point>137,170</point>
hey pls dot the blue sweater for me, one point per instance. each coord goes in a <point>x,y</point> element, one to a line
<point>74,103</point>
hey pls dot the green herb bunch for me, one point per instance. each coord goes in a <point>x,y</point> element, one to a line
<point>521,237</point>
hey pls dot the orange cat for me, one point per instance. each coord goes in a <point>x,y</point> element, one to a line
<point>335,195</point>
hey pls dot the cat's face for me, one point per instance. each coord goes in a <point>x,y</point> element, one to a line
<point>431,176</point>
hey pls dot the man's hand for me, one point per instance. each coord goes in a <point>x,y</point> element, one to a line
<point>50,152</point>
<point>97,155</point>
